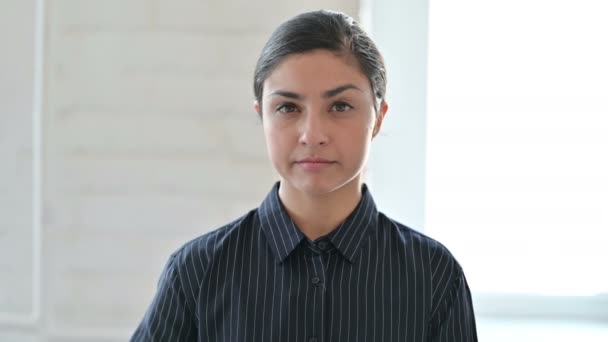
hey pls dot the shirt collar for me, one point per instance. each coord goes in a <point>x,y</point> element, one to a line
<point>284,236</point>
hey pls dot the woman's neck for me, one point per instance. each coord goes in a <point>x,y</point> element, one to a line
<point>318,215</point>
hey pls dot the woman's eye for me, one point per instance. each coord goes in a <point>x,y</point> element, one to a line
<point>341,107</point>
<point>287,108</point>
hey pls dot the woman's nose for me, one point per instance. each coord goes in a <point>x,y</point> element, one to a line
<point>313,130</point>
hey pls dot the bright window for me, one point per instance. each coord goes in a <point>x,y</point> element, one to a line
<point>517,143</point>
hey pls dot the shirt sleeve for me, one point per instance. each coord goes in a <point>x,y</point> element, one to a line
<point>168,318</point>
<point>455,322</point>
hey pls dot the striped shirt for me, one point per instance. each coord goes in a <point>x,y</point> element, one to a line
<point>260,278</point>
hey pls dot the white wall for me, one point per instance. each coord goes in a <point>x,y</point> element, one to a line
<point>17,58</point>
<point>149,139</point>
<point>397,164</point>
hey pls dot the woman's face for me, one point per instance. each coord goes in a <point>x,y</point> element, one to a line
<point>319,120</point>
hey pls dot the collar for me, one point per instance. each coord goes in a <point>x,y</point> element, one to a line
<point>284,236</point>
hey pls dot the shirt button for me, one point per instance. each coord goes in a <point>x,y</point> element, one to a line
<point>322,245</point>
<point>315,280</point>
<point>312,339</point>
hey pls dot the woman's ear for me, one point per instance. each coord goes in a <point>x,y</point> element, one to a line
<point>257,108</point>
<point>379,118</point>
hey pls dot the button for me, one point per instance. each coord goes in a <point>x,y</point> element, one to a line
<point>312,339</point>
<point>323,245</point>
<point>316,280</point>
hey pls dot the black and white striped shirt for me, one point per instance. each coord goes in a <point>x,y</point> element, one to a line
<point>260,279</point>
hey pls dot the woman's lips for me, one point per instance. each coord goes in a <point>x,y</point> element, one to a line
<point>314,164</point>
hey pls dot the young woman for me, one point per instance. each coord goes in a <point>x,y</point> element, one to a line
<point>316,261</point>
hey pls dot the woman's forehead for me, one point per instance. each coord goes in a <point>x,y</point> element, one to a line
<point>318,71</point>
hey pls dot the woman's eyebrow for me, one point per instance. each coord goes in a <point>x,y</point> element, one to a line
<point>326,94</point>
<point>288,94</point>
<point>338,90</point>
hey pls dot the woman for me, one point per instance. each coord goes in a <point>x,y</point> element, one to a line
<point>316,261</point>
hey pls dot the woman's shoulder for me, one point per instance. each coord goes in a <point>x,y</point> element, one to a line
<point>443,273</point>
<point>418,243</point>
<point>199,253</point>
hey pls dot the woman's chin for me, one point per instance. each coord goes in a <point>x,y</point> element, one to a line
<point>316,187</point>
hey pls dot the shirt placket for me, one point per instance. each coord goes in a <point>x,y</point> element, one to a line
<point>318,281</point>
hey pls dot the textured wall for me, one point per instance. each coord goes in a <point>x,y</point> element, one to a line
<point>149,140</point>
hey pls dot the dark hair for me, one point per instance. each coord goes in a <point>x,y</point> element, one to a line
<point>327,30</point>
